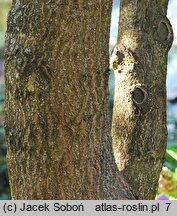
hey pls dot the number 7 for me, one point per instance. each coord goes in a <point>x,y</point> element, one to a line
<point>168,205</point>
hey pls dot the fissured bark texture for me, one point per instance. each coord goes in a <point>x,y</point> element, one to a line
<point>58,135</point>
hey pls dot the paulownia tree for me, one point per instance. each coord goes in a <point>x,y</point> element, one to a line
<point>57,120</point>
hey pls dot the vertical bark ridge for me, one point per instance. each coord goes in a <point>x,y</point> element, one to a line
<point>56,100</point>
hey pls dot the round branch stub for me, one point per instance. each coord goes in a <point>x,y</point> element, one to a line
<point>139,95</point>
<point>165,32</point>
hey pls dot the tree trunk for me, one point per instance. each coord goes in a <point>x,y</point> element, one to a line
<point>58,135</point>
<point>139,117</point>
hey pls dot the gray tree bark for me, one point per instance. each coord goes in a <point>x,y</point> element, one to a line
<point>139,116</point>
<point>57,127</point>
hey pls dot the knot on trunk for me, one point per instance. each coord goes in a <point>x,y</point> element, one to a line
<point>165,33</point>
<point>139,95</point>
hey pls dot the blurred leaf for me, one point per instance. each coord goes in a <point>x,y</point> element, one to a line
<point>170,158</point>
<point>167,183</point>
<point>172,152</point>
